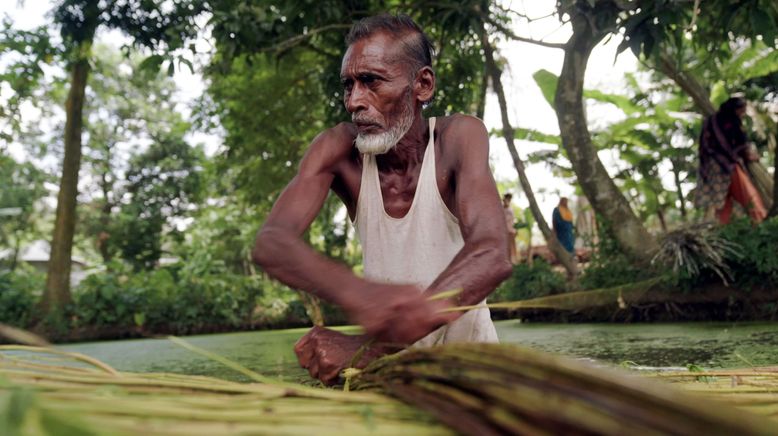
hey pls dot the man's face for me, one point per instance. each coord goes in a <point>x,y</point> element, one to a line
<point>378,92</point>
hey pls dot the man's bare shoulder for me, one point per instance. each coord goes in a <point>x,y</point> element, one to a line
<point>337,139</point>
<point>459,131</point>
<point>331,147</point>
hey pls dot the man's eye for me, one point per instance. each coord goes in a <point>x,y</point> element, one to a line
<point>367,80</point>
<point>347,84</point>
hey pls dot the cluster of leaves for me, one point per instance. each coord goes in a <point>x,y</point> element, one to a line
<point>757,264</point>
<point>22,188</point>
<point>609,266</point>
<point>166,300</point>
<point>19,292</point>
<point>530,281</point>
<point>643,141</point>
<point>658,24</point>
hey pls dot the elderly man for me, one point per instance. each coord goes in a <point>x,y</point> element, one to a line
<point>422,199</point>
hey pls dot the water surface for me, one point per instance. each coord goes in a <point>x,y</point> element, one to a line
<point>711,345</point>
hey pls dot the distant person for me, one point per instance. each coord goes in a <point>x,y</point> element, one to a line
<point>510,222</point>
<point>562,221</point>
<point>724,148</point>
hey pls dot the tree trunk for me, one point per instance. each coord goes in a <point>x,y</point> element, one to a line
<point>562,255</point>
<point>57,292</point>
<point>774,210</point>
<point>481,103</point>
<point>599,188</point>
<point>688,83</point>
<point>15,255</point>
<point>678,188</point>
<point>104,235</point>
<point>662,222</point>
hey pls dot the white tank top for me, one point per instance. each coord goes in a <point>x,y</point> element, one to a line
<point>416,248</point>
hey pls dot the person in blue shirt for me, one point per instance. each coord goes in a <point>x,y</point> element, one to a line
<point>563,225</point>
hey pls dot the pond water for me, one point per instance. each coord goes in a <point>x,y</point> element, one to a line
<point>710,345</point>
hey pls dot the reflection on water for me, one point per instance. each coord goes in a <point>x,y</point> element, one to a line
<point>712,345</point>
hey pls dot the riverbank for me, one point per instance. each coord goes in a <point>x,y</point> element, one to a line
<point>714,303</point>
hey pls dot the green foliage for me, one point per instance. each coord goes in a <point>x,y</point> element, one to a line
<point>22,187</point>
<point>19,291</point>
<point>166,300</point>
<point>527,282</point>
<point>659,24</point>
<point>24,74</point>
<point>162,182</point>
<point>757,266</point>
<point>609,266</point>
<point>644,143</point>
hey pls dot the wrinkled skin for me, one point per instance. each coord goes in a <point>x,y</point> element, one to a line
<point>378,84</point>
<point>325,353</point>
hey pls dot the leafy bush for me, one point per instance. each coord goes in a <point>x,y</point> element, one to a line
<point>758,263</point>
<point>609,266</point>
<point>166,300</point>
<point>19,292</point>
<point>530,282</point>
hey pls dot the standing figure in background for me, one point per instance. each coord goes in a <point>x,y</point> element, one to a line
<point>562,221</point>
<point>510,222</point>
<point>722,178</point>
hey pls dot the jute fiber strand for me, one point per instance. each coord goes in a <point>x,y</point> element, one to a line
<point>44,396</point>
<point>621,295</point>
<point>491,389</point>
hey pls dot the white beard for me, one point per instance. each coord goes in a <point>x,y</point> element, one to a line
<point>380,143</point>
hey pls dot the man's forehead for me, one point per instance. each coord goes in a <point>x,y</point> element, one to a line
<point>379,51</point>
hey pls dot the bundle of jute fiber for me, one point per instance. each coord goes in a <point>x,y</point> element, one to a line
<point>491,389</point>
<point>478,389</point>
<point>44,391</point>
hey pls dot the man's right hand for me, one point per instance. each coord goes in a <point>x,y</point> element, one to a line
<point>398,314</point>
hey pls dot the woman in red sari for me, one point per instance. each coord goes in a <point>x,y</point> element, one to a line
<point>722,177</point>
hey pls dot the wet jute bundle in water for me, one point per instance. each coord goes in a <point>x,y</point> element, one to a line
<point>477,389</point>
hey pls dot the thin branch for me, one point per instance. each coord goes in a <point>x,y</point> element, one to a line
<point>525,16</point>
<point>297,39</point>
<point>321,51</point>
<point>509,33</point>
<point>695,13</point>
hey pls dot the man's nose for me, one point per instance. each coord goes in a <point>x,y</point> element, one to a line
<point>355,100</point>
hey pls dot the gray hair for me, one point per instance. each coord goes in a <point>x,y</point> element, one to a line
<point>417,47</point>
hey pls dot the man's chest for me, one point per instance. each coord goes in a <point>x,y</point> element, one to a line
<point>398,187</point>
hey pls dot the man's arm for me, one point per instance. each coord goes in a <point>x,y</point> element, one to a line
<point>393,313</point>
<point>483,261</point>
<point>279,249</point>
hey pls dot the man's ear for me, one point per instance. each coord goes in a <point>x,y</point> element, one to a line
<point>424,86</point>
